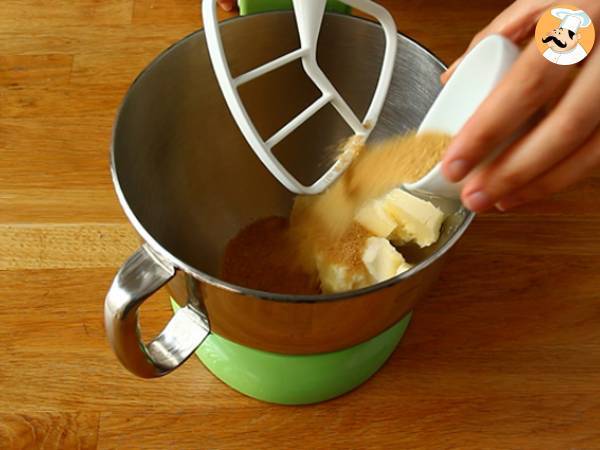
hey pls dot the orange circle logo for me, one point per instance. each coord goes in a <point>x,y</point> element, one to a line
<point>565,35</point>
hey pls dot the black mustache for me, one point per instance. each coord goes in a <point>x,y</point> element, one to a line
<point>556,41</point>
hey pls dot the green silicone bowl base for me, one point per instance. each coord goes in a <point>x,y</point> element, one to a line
<point>297,379</point>
<point>259,6</point>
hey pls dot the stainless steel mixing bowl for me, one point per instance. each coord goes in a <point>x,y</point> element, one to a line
<point>188,182</point>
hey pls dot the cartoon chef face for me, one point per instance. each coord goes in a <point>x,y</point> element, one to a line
<point>561,40</point>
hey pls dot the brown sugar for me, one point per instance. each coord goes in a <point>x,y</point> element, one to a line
<point>311,238</point>
<point>376,171</point>
<point>277,255</point>
<point>348,250</point>
<point>326,221</point>
<point>259,256</point>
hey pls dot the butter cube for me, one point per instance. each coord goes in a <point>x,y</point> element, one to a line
<point>382,260</point>
<point>418,220</point>
<point>375,219</point>
<point>336,277</point>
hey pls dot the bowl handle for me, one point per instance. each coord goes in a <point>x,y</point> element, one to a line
<point>143,274</point>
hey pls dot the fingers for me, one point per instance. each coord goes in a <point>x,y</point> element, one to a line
<point>444,77</point>
<point>571,170</point>
<point>562,132</point>
<point>515,23</point>
<point>529,84</point>
<point>227,5</point>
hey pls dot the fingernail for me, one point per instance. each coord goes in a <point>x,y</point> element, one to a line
<point>226,6</point>
<point>505,205</point>
<point>457,169</point>
<point>501,207</point>
<point>446,75</point>
<point>477,201</point>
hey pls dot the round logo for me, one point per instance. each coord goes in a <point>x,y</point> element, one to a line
<point>565,35</point>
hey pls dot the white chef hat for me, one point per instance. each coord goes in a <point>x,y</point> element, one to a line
<point>572,20</point>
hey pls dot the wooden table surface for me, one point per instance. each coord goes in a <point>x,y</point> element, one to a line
<point>504,354</point>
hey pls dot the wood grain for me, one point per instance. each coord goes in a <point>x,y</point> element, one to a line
<point>49,431</point>
<point>505,353</point>
<point>47,246</point>
<point>17,13</point>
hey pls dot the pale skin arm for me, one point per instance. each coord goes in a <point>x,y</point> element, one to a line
<point>560,149</point>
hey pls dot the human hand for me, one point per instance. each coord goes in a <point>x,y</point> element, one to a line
<point>560,149</point>
<point>226,5</point>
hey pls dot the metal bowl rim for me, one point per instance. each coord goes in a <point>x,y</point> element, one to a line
<point>264,295</point>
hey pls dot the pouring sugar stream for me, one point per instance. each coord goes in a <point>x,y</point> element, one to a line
<point>368,194</point>
<point>348,225</point>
